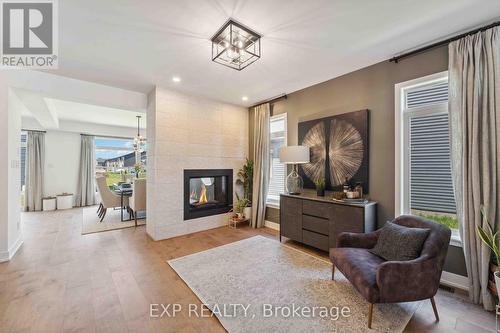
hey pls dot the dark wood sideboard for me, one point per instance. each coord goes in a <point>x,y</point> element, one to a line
<point>317,221</point>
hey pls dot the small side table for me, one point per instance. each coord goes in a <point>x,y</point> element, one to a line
<point>234,221</point>
<point>48,203</point>
<point>64,201</point>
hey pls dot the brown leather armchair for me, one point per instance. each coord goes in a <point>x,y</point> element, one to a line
<point>381,281</point>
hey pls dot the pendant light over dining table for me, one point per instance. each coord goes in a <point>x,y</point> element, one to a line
<point>139,140</point>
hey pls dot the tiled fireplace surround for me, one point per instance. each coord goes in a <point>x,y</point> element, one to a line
<point>188,132</point>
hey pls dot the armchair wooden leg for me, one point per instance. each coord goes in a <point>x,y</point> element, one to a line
<point>434,308</point>
<point>333,272</point>
<point>370,315</point>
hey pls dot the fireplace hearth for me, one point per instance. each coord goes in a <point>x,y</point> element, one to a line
<point>207,192</point>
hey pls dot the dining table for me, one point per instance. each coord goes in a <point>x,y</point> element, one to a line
<point>123,191</point>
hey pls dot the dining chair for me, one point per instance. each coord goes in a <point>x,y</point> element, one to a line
<point>137,201</point>
<point>109,199</point>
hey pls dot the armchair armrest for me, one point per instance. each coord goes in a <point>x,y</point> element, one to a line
<point>407,281</point>
<point>357,240</point>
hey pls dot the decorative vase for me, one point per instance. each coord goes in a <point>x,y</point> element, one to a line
<point>320,192</point>
<point>294,183</point>
<point>247,212</point>
<point>497,280</point>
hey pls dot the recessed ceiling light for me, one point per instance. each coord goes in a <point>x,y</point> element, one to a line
<point>176,79</point>
<point>244,98</point>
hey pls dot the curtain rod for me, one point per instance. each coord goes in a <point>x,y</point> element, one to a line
<point>30,130</point>
<point>443,42</point>
<point>271,100</point>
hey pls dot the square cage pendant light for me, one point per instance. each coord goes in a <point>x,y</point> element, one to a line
<point>235,46</point>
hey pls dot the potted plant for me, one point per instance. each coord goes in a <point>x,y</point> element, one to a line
<point>239,206</point>
<point>245,179</point>
<point>320,186</point>
<point>138,169</point>
<point>492,240</point>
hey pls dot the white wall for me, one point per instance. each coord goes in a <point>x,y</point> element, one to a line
<point>10,129</point>
<point>62,162</point>
<point>188,132</point>
<point>14,189</point>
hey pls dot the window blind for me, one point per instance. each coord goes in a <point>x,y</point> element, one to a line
<point>277,169</point>
<point>427,95</point>
<point>431,187</point>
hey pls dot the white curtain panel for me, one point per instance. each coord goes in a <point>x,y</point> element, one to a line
<point>474,105</point>
<point>35,158</point>
<point>261,158</point>
<point>86,181</point>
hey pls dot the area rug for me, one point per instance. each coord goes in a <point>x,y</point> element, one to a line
<point>112,221</point>
<point>261,285</point>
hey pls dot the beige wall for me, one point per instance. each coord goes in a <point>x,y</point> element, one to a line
<point>368,88</point>
<point>188,132</point>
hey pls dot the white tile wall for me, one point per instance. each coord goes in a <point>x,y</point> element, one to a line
<point>188,132</point>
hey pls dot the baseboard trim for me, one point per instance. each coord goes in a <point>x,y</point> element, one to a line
<point>455,281</point>
<point>7,255</point>
<point>271,225</point>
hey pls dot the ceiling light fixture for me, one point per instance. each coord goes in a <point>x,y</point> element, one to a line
<point>244,98</point>
<point>235,46</point>
<point>176,79</point>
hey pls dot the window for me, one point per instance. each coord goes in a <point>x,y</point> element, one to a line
<point>424,183</point>
<point>277,169</point>
<point>116,158</point>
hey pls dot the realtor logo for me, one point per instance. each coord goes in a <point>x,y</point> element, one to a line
<point>29,34</point>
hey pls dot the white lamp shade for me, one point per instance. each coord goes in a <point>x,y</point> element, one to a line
<point>294,155</point>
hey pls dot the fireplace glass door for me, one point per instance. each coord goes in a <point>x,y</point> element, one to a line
<point>207,192</point>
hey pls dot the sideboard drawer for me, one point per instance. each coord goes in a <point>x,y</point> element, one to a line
<point>291,206</point>
<point>319,209</point>
<point>316,240</point>
<point>315,224</point>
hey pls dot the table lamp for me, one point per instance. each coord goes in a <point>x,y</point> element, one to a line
<point>294,155</point>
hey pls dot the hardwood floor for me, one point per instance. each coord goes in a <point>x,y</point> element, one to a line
<point>61,281</point>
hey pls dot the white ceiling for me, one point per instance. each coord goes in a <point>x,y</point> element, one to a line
<point>94,114</point>
<point>138,44</point>
<point>53,102</point>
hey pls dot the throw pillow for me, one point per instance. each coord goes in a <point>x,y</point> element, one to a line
<point>397,243</point>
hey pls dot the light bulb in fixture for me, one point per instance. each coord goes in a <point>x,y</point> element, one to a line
<point>233,53</point>
<point>244,98</point>
<point>176,79</point>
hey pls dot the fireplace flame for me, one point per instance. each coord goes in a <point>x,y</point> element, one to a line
<point>203,195</point>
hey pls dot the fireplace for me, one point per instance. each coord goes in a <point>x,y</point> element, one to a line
<point>207,192</point>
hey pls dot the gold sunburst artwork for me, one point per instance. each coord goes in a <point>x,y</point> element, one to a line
<point>339,146</point>
<point>315,140</point>
<point>345,151</point>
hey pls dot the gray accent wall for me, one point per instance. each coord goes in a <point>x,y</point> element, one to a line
<point>368,88</point>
